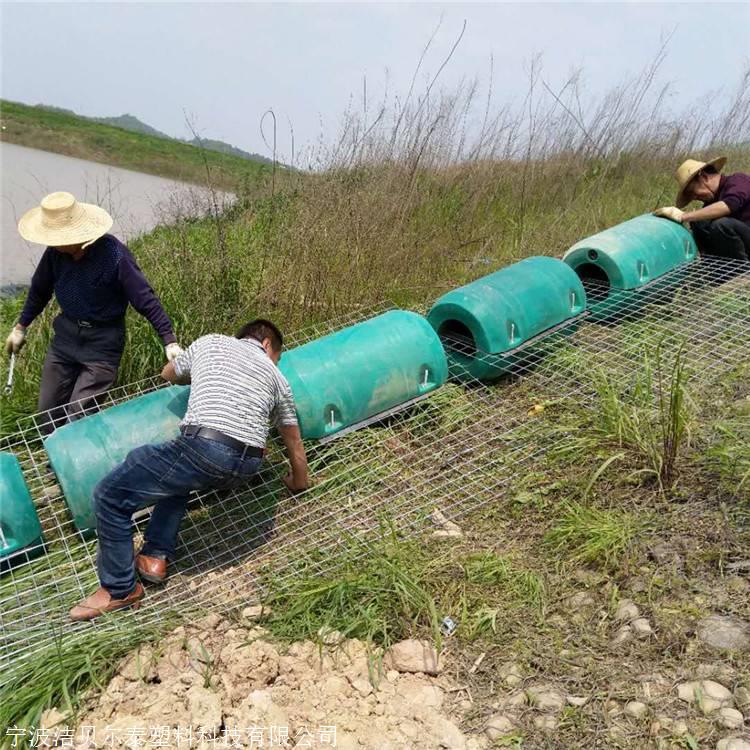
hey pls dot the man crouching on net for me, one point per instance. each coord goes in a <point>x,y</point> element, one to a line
<point>236,393</point>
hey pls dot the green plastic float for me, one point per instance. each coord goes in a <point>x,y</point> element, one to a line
<point>631,263</point>
<point>20,530</point>
<point>84,452</point>
<point>493,324</point>
<point>369,368</point>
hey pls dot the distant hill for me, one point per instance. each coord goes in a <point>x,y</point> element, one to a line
<point>131,122</point>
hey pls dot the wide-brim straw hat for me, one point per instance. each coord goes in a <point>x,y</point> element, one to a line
<point>688,170</point>
<point>62,220</point>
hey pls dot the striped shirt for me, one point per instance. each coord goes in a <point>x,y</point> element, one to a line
<point>235,388</point>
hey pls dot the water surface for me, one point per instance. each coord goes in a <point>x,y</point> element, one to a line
<point>137,202</point>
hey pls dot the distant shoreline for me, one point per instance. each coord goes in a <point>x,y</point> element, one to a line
<point>71,135</point>
<point>137,202</point>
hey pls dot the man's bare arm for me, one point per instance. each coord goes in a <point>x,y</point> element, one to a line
<point>298,480</point>
<point>707,213</point>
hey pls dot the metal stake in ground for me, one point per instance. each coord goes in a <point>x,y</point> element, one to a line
<point>9,382</point>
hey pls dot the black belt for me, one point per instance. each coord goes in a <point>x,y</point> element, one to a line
<point>111,323</point>
<point>220,437</point>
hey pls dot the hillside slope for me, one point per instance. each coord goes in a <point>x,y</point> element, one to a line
<point>65,133</point>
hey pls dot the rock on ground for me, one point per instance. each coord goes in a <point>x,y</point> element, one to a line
<point>725,632</point>
<point>733,743</point>
<point>499,726</point>
<point>731,718</point>
<point>412,656</point>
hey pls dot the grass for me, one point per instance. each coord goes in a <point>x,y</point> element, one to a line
<point>499,583</point>
<point>377,593</point>
<point>76,136</point>
<point>487,569</point>
<point>730,453</point>
<point>650,413</point>
<point>60,675</point>
<point>589,535</point>
<point>395,588</point>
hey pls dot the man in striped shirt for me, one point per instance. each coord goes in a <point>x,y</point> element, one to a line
<point>236,393</point>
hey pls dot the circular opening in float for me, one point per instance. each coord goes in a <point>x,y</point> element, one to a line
<point>457,338</point>
<point>595,281</point>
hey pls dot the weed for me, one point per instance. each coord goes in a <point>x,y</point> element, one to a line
<point>730,453</point>
<point>590,535</point>
<point>649,415</point>
<point>59,674</point>
<point>376,593</point>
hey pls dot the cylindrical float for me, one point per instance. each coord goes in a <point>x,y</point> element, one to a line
<point>490,325</point>
<point>631,263</point>
<point>84,452</point>
<point>364,370</point>
<point>20,530</point>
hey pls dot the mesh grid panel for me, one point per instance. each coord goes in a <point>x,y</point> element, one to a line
<point>457,450</point>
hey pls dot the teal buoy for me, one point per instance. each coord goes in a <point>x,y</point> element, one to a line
<point>492,324</point>
<point>631,263</point>
<point>84,452</point>
<point>20,530</point>
<point>369,368</point>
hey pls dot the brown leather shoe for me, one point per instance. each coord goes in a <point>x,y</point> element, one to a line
<point>101,601</point>
<point>151,569</point>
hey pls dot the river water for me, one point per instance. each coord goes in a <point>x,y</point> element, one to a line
<point>137,202</point>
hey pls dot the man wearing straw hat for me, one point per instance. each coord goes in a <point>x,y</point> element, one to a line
<point>93,277</point>
<point>722,226</point>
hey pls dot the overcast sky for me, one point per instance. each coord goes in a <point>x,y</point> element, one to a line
<point>225,64</point>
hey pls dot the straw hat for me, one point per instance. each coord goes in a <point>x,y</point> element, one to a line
<point>688,169</point>
<point>62,220</point>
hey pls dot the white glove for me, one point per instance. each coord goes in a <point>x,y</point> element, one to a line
<point>670,212</point>
<point>172,351</point>
<point>15,341</point>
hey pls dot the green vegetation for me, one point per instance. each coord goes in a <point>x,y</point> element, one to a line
<point>649,414</point>
<point>586,534</point>
<point>376,593</point>
<point>597,482</point>
<point>398,212</point>
<point>61,674</point>
<point>66,133</point>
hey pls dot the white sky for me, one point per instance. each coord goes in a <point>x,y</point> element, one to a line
<point>225,64</point>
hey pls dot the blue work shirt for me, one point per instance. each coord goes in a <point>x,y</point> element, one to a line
<point>97,288</point>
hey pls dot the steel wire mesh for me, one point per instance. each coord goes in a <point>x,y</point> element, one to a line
<point>456,450</point>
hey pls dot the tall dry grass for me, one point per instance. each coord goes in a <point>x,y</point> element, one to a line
<point>416,195</point>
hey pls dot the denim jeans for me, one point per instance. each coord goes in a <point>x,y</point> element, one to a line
<point>164,476</point>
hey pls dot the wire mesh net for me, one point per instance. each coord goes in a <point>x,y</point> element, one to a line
<point>456,450</point>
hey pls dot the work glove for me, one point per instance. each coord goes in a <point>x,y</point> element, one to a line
<point>16,340</point>
<point>670,212</point>
<point>172,351</point>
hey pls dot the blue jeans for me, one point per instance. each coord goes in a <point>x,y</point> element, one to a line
<point>164,476</point>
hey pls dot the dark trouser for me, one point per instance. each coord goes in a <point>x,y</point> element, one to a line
<point>725,237</point>
<point>80,364</point>
<point>161,475</point>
